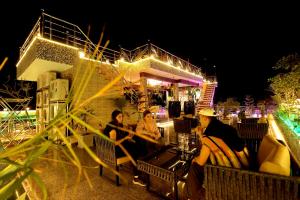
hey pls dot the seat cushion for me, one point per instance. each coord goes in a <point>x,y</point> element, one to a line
<point>265,148</point>
<point>277,161</point>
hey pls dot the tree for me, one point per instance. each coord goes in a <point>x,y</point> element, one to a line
<point>289,63</point>
<point>286,84</point>
<point>249,104</point>
<point>228,106</point>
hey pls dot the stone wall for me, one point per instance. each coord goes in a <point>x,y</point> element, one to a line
<point>106,103</point>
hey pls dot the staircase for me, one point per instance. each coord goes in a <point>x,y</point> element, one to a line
<point>123,87</point>
<point>207,100</point>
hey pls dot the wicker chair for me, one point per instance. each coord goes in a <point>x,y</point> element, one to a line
<point>106,151</point>
<point>249,120</point>
<point>252,134</point>
<point>230,183</point>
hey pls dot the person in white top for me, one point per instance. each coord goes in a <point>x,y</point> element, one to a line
<point>147,126</point>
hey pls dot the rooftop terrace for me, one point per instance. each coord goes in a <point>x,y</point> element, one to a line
<point>60,31</point>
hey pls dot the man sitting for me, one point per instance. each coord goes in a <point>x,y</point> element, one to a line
<point>220,143</point>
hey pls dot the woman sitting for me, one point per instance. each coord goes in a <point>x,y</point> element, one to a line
<point>113,131</point>
<point>147,126</point>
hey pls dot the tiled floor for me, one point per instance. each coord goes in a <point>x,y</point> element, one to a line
<point>57,177</point>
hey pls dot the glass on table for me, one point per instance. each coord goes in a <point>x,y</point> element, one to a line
<point>181,139</point>
<point>186,142</point>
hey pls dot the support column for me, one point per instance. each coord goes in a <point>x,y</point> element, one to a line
<point>176,92</point>
<point>143,99</point>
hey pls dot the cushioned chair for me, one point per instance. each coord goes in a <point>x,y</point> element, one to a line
<point>106,151</point>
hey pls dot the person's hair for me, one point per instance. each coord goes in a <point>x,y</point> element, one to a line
<point>114,114</point>
<point>146,112</point>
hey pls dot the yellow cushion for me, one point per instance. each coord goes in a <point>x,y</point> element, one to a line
<point>277,161</point>
<point>265,148</point>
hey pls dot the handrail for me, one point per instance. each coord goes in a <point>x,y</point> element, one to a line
<point>63,31</point>
<point>175,56</point>
<point>151,50</point>
<point>36,28</point>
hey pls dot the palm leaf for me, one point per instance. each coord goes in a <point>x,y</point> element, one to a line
<point>22,197</point>
<point>40,183</point>
<point>7,190</point>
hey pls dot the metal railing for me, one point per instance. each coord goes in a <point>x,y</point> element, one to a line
<point>151,50</point>
<point>212,79</point>
<point>59,30</point>
<point>35,31</point>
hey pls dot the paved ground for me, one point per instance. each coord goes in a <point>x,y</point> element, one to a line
<point>56,177</point>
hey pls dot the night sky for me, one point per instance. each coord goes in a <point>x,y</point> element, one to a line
<point>243,41</point>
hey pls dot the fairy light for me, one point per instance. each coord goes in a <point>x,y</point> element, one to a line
<point>24,54</point>
<point>44,39</point>
<point>165,63</point>
<point>81,54</point>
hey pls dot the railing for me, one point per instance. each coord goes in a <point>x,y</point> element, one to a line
<point>59,30</point>
<point>211,79</point>
<point>151,50</point>
<point>292,139</point>
<point>35,31</point>
<point>65,32</point>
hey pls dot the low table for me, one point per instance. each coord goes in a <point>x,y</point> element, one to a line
<point>166,165</point>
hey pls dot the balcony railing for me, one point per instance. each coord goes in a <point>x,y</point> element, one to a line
<point>151,50</point>
<point>59,30</point>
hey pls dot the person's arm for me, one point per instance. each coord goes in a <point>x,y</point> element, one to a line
<point>204,154</point>
<point>140,127</point>
<point>156,132</point>
<point>113,134</point>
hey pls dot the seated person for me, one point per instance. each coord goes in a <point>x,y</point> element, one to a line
<point>262,119</point>
<point>111,130</point>
<point>147,126</point>
<point>221,144</point>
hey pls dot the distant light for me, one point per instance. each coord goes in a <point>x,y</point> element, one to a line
<point>165,124</point>
<point>5,109</point>
<point>81,54</point>
<point>107,61</point>
<point>122,59</point>
<point>27,108</point>
<point>153,82</point>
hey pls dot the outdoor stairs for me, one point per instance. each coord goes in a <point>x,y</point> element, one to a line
<point>208,97</point>
<point>121,88</point>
